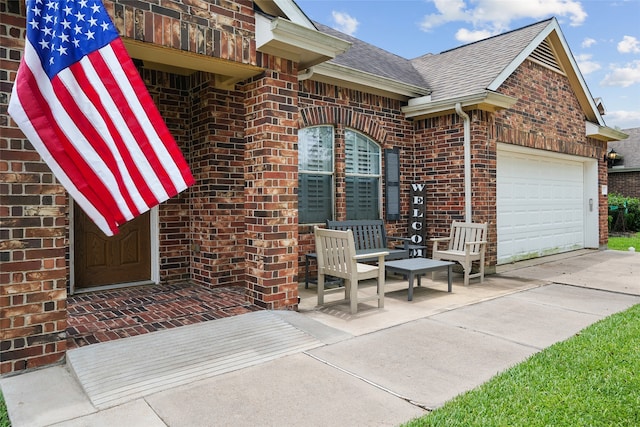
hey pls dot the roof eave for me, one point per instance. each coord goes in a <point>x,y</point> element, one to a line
<point>419,108</point>
<point>227,73</point>
<point>622,169</point>
<point>603,133</point>
<point>308,47</point>
<point>361,80</point>
<point>285,9</point>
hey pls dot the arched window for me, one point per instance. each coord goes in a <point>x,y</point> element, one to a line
<point>315,174</point>
<point>362,176</point>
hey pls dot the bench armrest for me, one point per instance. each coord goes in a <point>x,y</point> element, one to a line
<point>371,255</point>
<point>405,240</point>
<point>437,240</point>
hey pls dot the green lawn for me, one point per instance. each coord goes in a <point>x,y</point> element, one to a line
<point>623,243</point>
<point>592,379</point>
<point>4,417</point>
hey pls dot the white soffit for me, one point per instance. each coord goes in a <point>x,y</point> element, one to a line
<point>182,62</point>
<point>488,101</point>
<point>283,38</point>
<point>604,133</point>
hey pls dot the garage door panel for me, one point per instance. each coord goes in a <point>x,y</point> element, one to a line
<point>540,206</point>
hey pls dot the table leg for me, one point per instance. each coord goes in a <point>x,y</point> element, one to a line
<point>449,277</point>
<point>410,297</point>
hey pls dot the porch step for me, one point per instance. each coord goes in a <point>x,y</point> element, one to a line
<point>118,371</point>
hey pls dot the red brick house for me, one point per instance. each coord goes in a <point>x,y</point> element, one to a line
<point>624,172</point>
<point>286,123</point>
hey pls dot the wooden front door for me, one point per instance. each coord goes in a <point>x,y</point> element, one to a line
<point>100,260</point>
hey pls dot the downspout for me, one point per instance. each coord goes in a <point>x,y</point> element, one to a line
<point>467,162</point>
<point>306,74</point>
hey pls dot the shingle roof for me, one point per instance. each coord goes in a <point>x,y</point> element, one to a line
<point>471,68</point>
<point>629,148</point>
<point>371,59</point>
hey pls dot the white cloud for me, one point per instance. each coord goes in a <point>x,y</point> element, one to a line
<point>344,22</point>
<point>623,76</point>
<point>588,42</point>
<point>495,16</point>
<point>585,63</point>
<point>629,44</point>
<point>467,36</point>
<point>450,10</point>
<point>623,119</point>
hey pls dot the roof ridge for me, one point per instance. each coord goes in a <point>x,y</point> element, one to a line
<point>495,36</point>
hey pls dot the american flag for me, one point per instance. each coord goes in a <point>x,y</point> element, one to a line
<point>80,101</point>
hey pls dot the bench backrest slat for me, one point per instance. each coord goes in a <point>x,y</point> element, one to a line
<point>462,232</point>
<point>367,234</point>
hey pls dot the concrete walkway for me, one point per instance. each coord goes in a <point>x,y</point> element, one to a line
<point>324,366</point>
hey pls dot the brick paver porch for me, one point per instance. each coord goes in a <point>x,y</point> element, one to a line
<point>109,315</point>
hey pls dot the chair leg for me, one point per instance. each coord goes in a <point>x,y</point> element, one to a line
<point>482,267</point>
<point>320,289</point>
<point>380,287</point>
<point>353,296</point>
<point>467,272</point>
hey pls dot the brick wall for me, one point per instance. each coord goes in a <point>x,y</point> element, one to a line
<point>439,157</point>
<point>625,183</point>
<point>223,29</point>
<point>271,174</point>
<point>172,95</point>
<point>33,232</point>
<point>217,162</point>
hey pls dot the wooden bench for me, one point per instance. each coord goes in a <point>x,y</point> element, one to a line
<point>370,237</point>
<point>466,243</point>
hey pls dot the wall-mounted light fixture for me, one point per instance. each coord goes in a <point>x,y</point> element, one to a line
<point>611,157</point>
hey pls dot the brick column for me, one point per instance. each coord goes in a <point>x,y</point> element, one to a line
<point>33,231</point>
<point>271,181</point>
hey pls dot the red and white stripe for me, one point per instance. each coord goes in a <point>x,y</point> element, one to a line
<point>99,131</point>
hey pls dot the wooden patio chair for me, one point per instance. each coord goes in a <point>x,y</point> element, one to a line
<point>337,257</point>
<point>466,243</point>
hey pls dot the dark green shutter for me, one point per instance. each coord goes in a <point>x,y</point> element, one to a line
<point>314,198</point>
<point>392,182</point>
<point>362,197</point>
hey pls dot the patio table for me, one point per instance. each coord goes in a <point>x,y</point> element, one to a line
<point>417,267</point>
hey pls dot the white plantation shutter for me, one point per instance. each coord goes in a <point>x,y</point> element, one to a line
<point>362,159</point>
<point>315,174</point>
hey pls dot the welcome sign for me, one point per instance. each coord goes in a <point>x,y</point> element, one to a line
<point>418,220</point>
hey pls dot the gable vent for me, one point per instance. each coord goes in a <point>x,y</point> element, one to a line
<point>545,55</point>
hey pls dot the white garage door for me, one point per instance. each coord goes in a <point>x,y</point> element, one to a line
<point>540,208</point>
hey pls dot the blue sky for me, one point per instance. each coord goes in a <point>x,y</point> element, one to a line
<point>604,35</point>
